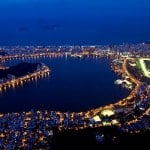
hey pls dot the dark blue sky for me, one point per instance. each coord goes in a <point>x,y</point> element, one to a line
<point>62,8</point>
<point>94,18</point>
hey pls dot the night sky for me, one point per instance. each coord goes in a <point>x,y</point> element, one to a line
<point>70,8</point>
<point>74,21</point>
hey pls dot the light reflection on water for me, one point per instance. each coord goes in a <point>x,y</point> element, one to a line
<point>73,84</point>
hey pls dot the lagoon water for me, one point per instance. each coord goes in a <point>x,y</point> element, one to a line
<point>73,85</point>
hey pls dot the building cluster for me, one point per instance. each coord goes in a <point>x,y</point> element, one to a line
<point>139,119</point>
<point>139,124</point>
<point>124,50</point>
<point>31,130</point>
<point>35,129</point>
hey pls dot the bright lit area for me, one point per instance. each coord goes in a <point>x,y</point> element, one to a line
<point>107,112</point>
<point>146,71</point>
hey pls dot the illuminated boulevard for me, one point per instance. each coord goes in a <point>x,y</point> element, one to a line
<point>14,82</point>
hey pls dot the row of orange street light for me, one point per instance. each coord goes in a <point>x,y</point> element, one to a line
<point>16,81</point>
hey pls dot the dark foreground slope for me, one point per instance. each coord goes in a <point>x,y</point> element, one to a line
<point>85,139</point>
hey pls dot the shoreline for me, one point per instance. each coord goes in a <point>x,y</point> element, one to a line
<point>119,103</point>
<point>92,113</point>
<point>46,125</point>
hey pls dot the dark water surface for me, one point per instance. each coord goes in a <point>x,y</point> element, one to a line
<point>73,85</point>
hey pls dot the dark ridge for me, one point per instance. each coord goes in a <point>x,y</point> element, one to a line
<point>85,139</point>
<point>19,69</point>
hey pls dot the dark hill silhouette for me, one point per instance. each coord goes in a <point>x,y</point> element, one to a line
<point>19,69</point>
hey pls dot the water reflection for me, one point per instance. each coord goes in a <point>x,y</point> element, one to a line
<point>73,84</point>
